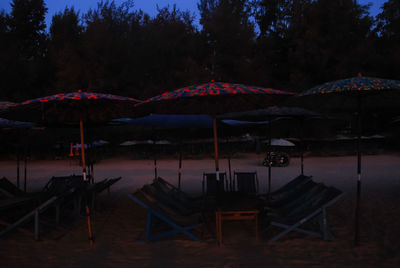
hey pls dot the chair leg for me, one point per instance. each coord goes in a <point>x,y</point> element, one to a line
<point>324,225</point>
<point>58,213</point>
<point>148,226</point>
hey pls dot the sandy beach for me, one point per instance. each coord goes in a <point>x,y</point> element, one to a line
<point>118,222</point>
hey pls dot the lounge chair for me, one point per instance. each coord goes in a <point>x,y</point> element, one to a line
<point>59,185</point>
<point>168,200</point>
<point>182,201</point>
<point>100,186</point>
<point>290,196</point>
<point>246,182</point>
<point>155,208</point>
<point>308,217</point>
<point>173,190</point>
<point>298,201</point>
<point>211,186</point>
<point>289,187</point>
<point>7,188</point>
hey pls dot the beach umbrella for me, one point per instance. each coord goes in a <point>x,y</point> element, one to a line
<point>170,121</point>
<point>274,113</point>
<point>72,108</point>
<point>213,98</point>
<point>360,95</point>
<point>180,122</point>
<point>6,124</point>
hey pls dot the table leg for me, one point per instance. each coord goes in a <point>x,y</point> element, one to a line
<point>218,227</point>
<point>256,219</point>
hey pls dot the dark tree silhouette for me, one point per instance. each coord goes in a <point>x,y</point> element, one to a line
<point>229,37</point>
<point>65,51</point>
<point>304,42</point>
<point>23,51</point>
<point>171,49</point>
<point>114,48</point>
<point>388,40</point>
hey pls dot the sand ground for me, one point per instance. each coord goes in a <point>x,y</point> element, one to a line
<point>118,222</point>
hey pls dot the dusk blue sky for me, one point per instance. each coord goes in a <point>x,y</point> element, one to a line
<point>148,6</point>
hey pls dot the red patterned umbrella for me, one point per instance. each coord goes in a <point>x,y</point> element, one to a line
<point>72,108</point>
<point>213,98</point>
<point>357,94</point>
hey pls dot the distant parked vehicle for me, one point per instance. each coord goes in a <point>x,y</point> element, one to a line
<point>277,159</point>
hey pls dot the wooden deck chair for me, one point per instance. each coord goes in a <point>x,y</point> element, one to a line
<point>312,212</point>
<point>175,195</point>
<point>171,189</point>
<point>100,186</point>
<point>291,196</point>
<point>182,207</point>
<point>8,188</point>
<point>245,182</point>
<point>59,185</point>
<point>289,187</point>
<point>179,223</point>
<point>290,207</point>
<point>211,186</point>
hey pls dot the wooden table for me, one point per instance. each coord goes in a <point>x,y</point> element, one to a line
<point>234,215</point>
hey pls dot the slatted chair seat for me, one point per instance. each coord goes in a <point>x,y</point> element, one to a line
<point>291,196</point>
<point>246,182</point>
<point>171,189</point>
<point>100,186</point>
<point>182,201</point>
<point>177,221</point>
<point>212,186</point>
<point>289,187</point>
<point>304,199</point>
<point>9,189</point>
<point>311,212</point>
<point>60,185</point>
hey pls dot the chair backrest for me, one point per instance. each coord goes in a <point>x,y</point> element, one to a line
<point>291,186</point>
<point>146,198</point>
<point>287,197</point>
<point>246,182</point>
<point>171,190</point>
<point>59,185</point>
<point>10,188</point>
<point>210,184</point>
<point>321,200</point>
<point>305,200</point>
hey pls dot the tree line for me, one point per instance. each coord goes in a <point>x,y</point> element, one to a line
<point>284,44</point>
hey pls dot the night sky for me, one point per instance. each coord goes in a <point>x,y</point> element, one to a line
<point>148,6</point>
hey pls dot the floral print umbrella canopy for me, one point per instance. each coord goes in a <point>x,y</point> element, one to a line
<point>360,95</point>
<point>213,98</point>
<point>71,108</point>
<point>359,83</point>
<point>376,94</point>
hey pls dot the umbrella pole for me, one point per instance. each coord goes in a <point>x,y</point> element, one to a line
<point>229,165</point>
<point>216,147</point>
<point>90,234</point>
<point>357,212</point>
<point>155,161</point>
<point>269,156</point>
<point>18,160</point>
<point>219,183</point>
<point>301,148</point>
<point>180,165</point>
<point>82,151</point>
<point>25,164</point>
